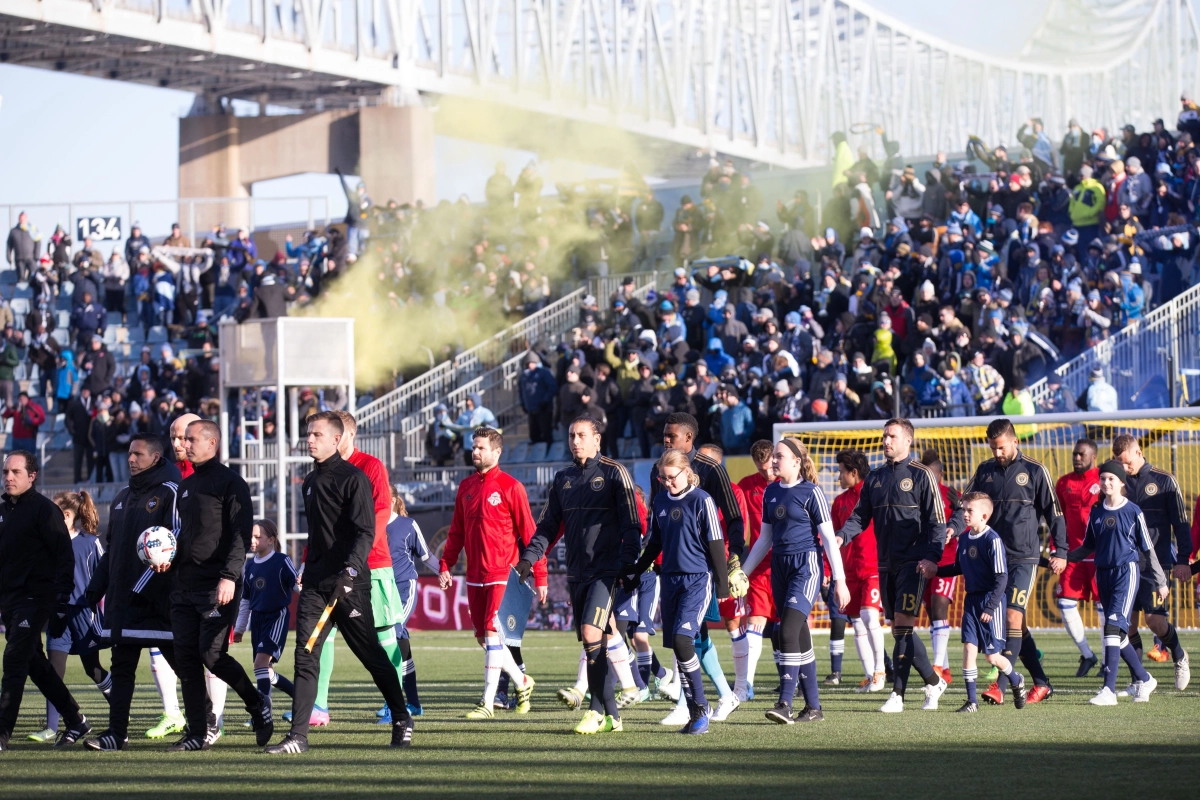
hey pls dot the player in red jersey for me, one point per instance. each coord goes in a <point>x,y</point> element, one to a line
<point>760,603</point>
<point>1077,492</point>
<point>861,562</point>
<point>939,592</point>
<point>491,521</point>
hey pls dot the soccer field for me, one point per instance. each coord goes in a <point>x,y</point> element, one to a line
<point>1058,748</point>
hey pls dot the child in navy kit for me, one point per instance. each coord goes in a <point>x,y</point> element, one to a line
<point>685,528</point>
<point>83,633</point>
<point>796,526</point>
<point>407,545</point>
<point>980,559</point>
<point>1116,533</point>
<point>269,580</point>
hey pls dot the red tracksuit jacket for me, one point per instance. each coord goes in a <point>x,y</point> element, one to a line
<point>492,522</point>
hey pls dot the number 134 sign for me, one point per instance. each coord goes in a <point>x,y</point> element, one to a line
<point>99,229</point>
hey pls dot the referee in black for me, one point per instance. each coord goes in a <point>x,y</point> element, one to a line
<point>37,575</point>
<point>216,519</point>
<point>1023,496</point>
<point>341,529</point>
<point>593,502</point>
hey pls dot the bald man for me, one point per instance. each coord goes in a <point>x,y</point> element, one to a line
<point>178,430</point>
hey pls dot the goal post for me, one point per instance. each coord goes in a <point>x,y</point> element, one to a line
<point>1170,440</point>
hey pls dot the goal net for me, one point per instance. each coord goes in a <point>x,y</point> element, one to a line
<point>1170,440</point>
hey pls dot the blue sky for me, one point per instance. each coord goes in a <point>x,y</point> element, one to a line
<point>72,139</point>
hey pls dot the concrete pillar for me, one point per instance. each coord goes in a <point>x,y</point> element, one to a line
<point>396,153</point>
<point>210,166</point>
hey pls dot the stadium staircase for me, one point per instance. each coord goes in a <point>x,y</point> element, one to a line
<point>1145,360</point>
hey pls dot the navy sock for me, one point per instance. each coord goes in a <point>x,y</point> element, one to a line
<point>262,677</point>
<point>837,643</point>
<point>901,660</point>
<point>656,668</point>
<point>920,660</point>
<point>409,683</point>
<point>970,676</point>
<point>1171,642</point>
<point>694,681</point>
<point>502,687</point>
<point>1029,658</point>
<point>1112,660</point>
<point>284,685</point>
<point>1135,639</point>
<point>598,675</point>
<point>789,676</point>
<point>808,679</point>
<point>1134,662</point>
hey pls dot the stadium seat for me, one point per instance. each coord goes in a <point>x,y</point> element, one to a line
<point>517,454</point>
<point>556,452</point>
<point>537,452</point>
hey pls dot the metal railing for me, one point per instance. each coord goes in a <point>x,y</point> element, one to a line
<point>490,368</point>
<point>1139,359</point>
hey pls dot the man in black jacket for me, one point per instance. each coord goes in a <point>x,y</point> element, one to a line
<point>214,505</point>
<point>78,421</point>
<point>137,614</point>
<point>270,298</point>
<point>37,574</point>
<point>341,529</point>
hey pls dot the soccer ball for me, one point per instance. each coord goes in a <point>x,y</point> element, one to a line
<point>156,546</point>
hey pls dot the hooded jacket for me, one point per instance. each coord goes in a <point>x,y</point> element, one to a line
<point>137,608</point>
<point>1087,203</point>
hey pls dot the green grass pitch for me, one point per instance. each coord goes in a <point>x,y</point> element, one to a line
<point>1062,747</point>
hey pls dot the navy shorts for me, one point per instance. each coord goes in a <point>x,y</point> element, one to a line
<point>1118,587</point>
<point>685,600</point>
<point>796,581</point>
<point>831,602</point>
<point>902,589</point>
<point>268,632</point>
<point>639,607</point>
<point>82,635</point>
<point>408,591</point>
<point>989,637</point>
<point>592,602</point>
<point>1021,579</point>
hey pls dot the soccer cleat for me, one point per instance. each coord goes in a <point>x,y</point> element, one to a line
<point>167,725</point>
<point>214,733</point>
<point>70,735</point>
<point>741,694</point>
<point>810,714</point>
<point>1085,665</point>
<point>402,733</point>
<point>1157,653</point>
<point>894,704</point>
<point>481,711</point>
<point>572,698</point>
<point>189,744</point>
<point>1039,693</point>
<point>386,719</point>
<point>864,686</point>
<point>1144,690</point>
<point>678,716</point>
<point>46,736</point>
<point>781,714</point>
<point>879,681</point>
<point>833,679</point>
<point>261,719</point>
<point>1104,697</point>
<point>612,725</point>
<point>697,722</point>
<point>319,718</point>
<point>932,693</point>
<point>1020,696</point>
<point>106,743</point>
<point>1128,691</point>
<point>592,722</point>
<point>993,675</point>
<point>415,711</point>
<point>725,706</point>
<point>383,712</point>
<point>968,708</point>
<point>290,745</point>
<point>993,696</point>
<point>501,701</point>
<point>750,691</point>
<point>1183,673</point>
<point>524,696</point>
<point>629,697</point>
<point>667,687</point>
<point>945,674</point>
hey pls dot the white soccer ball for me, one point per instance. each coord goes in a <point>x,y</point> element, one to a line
<point>156,546</point>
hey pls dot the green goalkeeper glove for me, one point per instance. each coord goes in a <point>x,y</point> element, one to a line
<point>739,584</point>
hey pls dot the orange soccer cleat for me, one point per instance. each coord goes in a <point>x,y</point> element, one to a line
<point>945,673</point>
<point>1038,693</point>
<point>1157,653</point>
<point>993,696</point>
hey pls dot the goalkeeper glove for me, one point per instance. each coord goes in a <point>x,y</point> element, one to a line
<point>739,584</point>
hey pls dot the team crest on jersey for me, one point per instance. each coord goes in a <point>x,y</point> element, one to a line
<point>906,485</point>
<point>1022,478</point>
<point>780,512</point>
<point>676,514</point>
<point>260,583</point>
<point>152,504</point>
<point>597,483</point>
<point>1151,489</point>
<point>972,551</point>
<point>494,499</point>
<point>1110,522</point>
<point>1095,488</point>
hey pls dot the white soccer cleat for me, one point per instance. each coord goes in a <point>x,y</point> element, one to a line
<point>678,716</point>
<point>1144,689</point>
<point>629,697</point>
<point>932,693</point>
<point>668,687</point>
<point>1183,673</point>
<point>742,694</point>
<point>878,681</point>
<point>1128,691</point>
<point>894,704</point>
<point>727,705</point>
<point>1104,697</point>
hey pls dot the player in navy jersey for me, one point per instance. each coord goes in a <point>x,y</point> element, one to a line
<point>979,558</point>
<point>1124,555</point>
<point>796,525</point>
<point>684,527</point>
<point>407,545</point>
<point>82,634</point>
<point>269,580</point>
